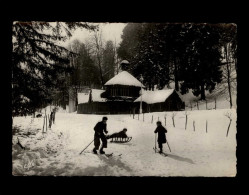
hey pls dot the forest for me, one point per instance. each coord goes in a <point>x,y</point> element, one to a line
<point>191,56</point>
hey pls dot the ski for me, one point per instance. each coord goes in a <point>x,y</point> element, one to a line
<point>157,151</point>
<point>108,155</point>
<point>112,155</point>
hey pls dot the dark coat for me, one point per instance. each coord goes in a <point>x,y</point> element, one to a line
<point>121,134</point>
<point>161,134</point>
<point>100,127</point>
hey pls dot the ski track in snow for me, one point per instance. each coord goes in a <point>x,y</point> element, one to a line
<point>194,153</point>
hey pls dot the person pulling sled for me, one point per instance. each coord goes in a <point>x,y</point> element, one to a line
<point>99,129</point>
<point>161,135</point>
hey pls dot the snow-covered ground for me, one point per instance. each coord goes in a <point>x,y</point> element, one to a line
<point>193,153</point>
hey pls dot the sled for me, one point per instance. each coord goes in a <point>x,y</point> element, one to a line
<point>120,140</point>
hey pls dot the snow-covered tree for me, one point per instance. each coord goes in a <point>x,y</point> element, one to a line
<point>37,60</point>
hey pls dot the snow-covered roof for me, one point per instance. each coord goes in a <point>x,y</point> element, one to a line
<point>96,95</point>
<point>124,62</point>
<point>124,78</point>
<point>152,97</point>
<point>84,97</point>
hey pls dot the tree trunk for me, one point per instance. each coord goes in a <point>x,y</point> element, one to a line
<point>176,76</point>
<point>203,97</point>
<point>101,75</point>
<point>76,97</point>
<point>228,77</point>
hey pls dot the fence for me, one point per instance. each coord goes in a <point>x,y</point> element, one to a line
<point>202,105</point>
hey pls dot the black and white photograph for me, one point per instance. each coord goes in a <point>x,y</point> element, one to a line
<point>155,99</point>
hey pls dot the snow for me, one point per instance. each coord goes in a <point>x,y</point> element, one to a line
<point>24,99</point>
<point>84,97</point>
<point>124,62</point>
<point>96,95</point>
<point>193,153</point>
<point>124,78</point>
<point>152,97</point>
<point>222,100</point>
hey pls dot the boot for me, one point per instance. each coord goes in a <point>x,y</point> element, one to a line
<point>101,151</point>
<point>95,151</point>
<point>161,150</point>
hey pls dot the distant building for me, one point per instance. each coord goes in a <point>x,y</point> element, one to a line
<point>73,101</point>
<point>158,101</point>
<point>122,96</point>
<point>117,98</point>
<point>123,86</point>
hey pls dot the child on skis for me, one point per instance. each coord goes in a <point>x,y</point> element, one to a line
<point>161,135</point>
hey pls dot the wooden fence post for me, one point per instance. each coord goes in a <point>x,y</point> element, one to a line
<point>206,125</point>
<point>43,124</point>
<point>173,118</point>
<point>229,116</point>
<point>229,126</point>
<point>186,122</point>
<point>46,123</point>
<point>194,125</point>
<point>197,104</point>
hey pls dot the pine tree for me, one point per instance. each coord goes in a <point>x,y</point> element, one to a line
<point>37,60</point>
<point>202,66</point>
<point>187,54</point>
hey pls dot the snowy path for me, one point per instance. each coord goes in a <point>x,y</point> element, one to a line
<point>194,153</point>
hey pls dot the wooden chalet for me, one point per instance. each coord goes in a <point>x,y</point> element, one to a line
<point>117,98</point>
<point>158,101</point>
<point>122,96</point>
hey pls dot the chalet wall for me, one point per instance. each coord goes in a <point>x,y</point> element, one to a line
<point>109,107</point>
<point>173,103</point>
<point>121,90</point>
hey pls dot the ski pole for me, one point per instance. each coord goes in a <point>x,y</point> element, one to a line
<point>86,147</point>
<point>168,146</point>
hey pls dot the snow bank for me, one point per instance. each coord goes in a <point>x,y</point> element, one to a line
<point>193,153</point>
